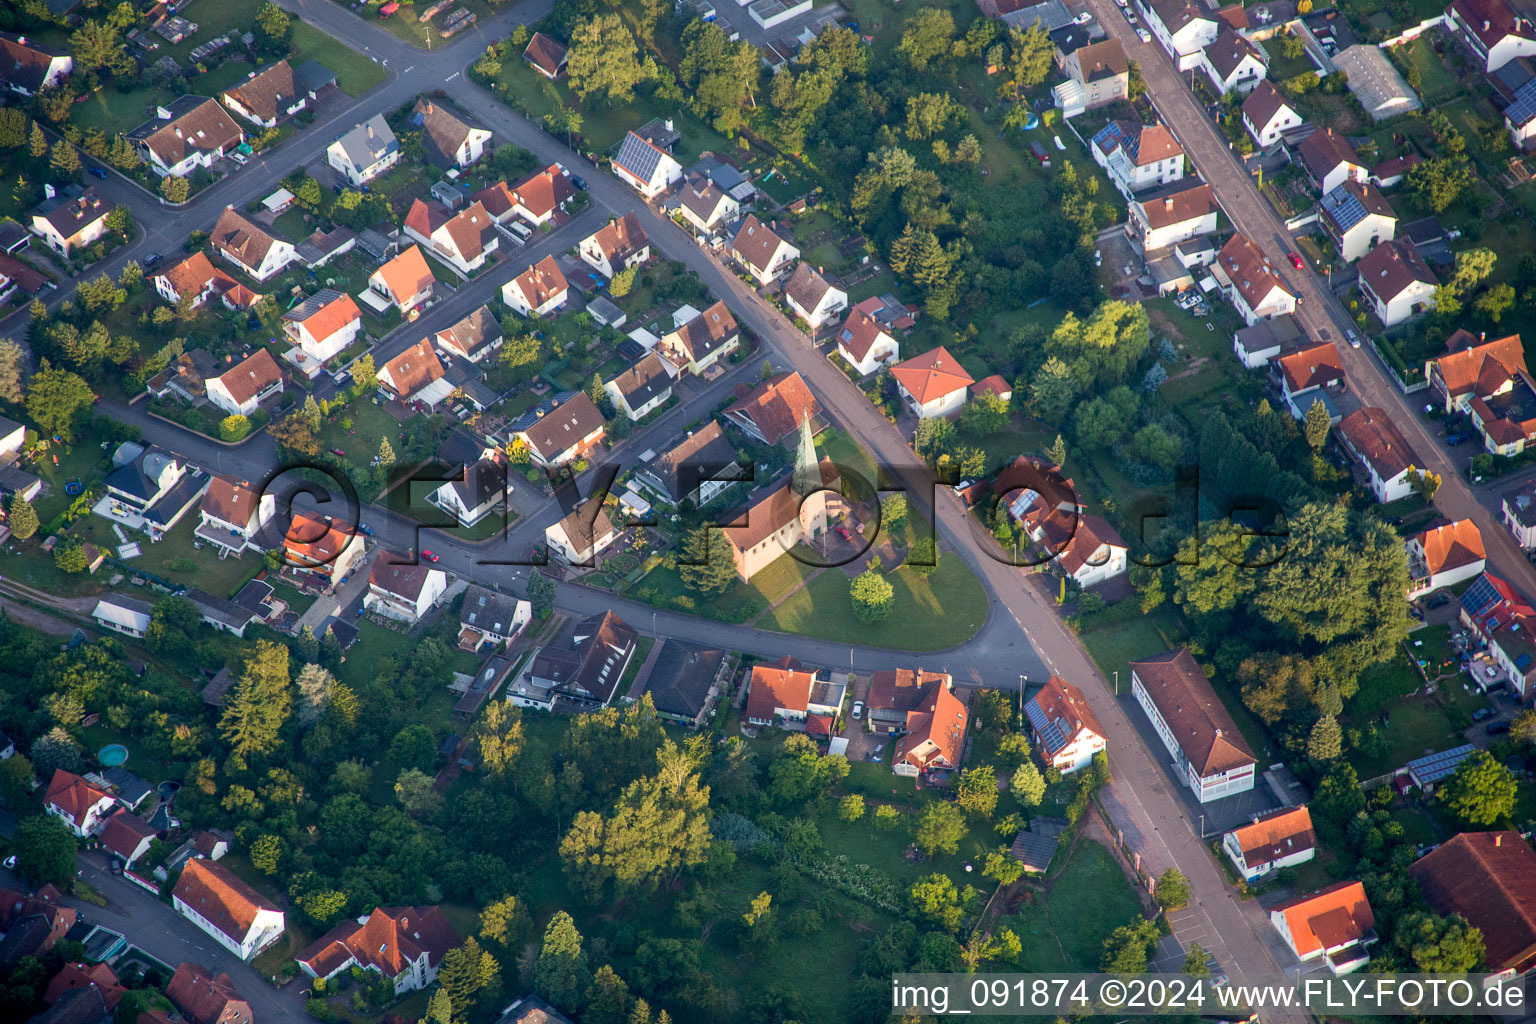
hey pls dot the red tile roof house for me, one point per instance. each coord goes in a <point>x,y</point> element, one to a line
<point>895,692</point>
<point>616,246</point>
<point>646,167</point>
<point>27,67</point>
<point>185,134</point>
<point>537,291</point>
<point>478,491</point>
<point>404,944</point>
<point>813,298</point>
<point>195,276</point>
<point>1281,839</point>
<point>322,327</point>
<point>80,805</point>
<point>772,411</point>
<point>322,551</point>
<point>128,837</point>
<point>79,975</point>
<point>236,916</point>
<point>1396,282</point>
<point>700,341</point>
<point>565,434</point>
<point>241,389</point>
<point>935,736</point>
<point>268,96</point>
<point>1335,924</point>
<point>415,375</point>
<point>581,536</point>
<point>761,251</point>
<point>1095,553</point>
<point>1304,371</point>
<point>1251,282</point>
<point>463,240</point>
<point>1371,436</point>
<point>232,513</point>
<point>932,384</point>
<point>473,338</point>
<point>403,592</point>
<point>450,140</point>
<point>1443,556</point>
<point>1489,878</point>
<point>1330,160</point>
<point>1066,731</point>
<point>1473,368</point>
<point>863,340</point>
<point>785,694</point>
<point>204,998</point>
<point>1210,755</point>
<point>1496,31</point>
<point>536,199</point>
<point>406,280</point>
<point>249,246</point>
<point>1267,116</point>
<point>546,56</point>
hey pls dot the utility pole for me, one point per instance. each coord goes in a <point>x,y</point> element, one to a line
<point>1117,682</point>
<point>1021,696</point>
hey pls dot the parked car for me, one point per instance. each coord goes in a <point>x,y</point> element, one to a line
<point>365,529</point>
<point>429,556</point>
<point>577,180</point>
<point>1438,601</point>
<point>1496,728</point>
<point>1296,261</point>
<point>98,172</point>
<point>1354,339</point>
<point>1455,439</point>
<point>845,533</point>
<point>340,453</point>
<point>1483,714</point>
<point>1143,34</point>
<point>858,710</point>
<point>152,259</point>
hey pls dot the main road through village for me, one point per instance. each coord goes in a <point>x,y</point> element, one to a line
<point>1022,632</point>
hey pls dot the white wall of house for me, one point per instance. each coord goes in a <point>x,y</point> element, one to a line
<point>1253,872</point>
<point>264,930</point>
<point>1112,560</point>
<point>884,351</point>
<point>832,303</point>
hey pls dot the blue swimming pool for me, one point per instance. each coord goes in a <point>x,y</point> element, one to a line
<point>112,755</point>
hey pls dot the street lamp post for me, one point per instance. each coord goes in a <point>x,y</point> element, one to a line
<point>1117,682</point>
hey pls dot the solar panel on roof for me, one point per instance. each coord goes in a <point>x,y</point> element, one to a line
<point>1051,736</point>
<point>1344,207</point>
<point>1523,109</point>
<point>1431,768</point>
<point>1480,597</point>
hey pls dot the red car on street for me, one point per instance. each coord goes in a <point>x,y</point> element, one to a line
<point>1296,261</point>
<point>429,556</point>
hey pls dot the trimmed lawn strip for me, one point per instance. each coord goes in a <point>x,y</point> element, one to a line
<point>1066,930</point>
<point>355,73</point>
<point>221,577</point>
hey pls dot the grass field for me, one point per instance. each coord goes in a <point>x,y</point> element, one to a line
<point>218,576</point>
<point>355,73</point>
<point>1435,82</point>
<point>1115,647</point>
<point>1065,931</point>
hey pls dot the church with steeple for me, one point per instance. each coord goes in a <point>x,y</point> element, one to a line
<point>795,510</point>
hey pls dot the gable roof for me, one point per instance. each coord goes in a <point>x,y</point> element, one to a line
<point>807,286</point>
<point>1249,270</point>
<point>1175,14</point>
<point>413,369</point>
<point>940,719</point>
<point>1228,50</point>
<point>24,63</point>
<point>1277,835</point>
<point>1490,20</point>
<point>1310,366</point>
<point>1091,533</point>
<point>862,329</point>
<point>1059,714</point>
<point>756,243</point>
<point>1451,545</point>
<point>545,53</point>
<point>777,406</point>
<point>931,375</point>
<point>220,897</point>
<point>485,609</point>
<point>564,426</point>
<point>205,998</point>
<point>1489,878</point>
<point>73,795</point>
<point>602,645</point>
<point>312,543</point>
<point>390,939</point>
<point>1103,59</point>
<point>473,333</point>
<point>369,142</point>
<point>701,197</point>
<point>398,578</point>
<point>681,676</point>
<point>230,499</point>
<point>124,832</point>
<point>643,381</point>
<point>468,230</point>
<point>1480,368</point>
<point>772,508</point>
<point>192,275</point>
<point>1334,917</point>
<point>324,313</point>
<point>1391,268</point>
<point>1352,202</point>
<point>583,529</point>
<point>783,684</point>
<point>707,332</point>
<point>442,129</point>
<point>540,282</point>
<point>1263,105</point>
<point>69,216</point>
<point>704,454</point>
<point>1190,201</point>
<point>620,238</point>
<point>241,238</point>
<point>196,124</point>
<point>639,156</point>
<point>1200,723</point>
<point>1324,150</point>
<point>542,191</point>
<point>1148,144</point>
<point>267,93</point>
<point>251,376</point>
<point>78,975</point>
<point>407,274</point>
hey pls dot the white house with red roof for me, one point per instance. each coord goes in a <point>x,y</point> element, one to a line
<point>813,298</point>
<point>322,327</point>
<point>240,390</point>
<point>82,806</point>
<point>1280,839</point>
<point>761,251</point>
<point>932,384</point>
<point>1066,731</point>
<point>194,278</point>
<point>1182,27</point>
<point>1251,282</point>
<point>1094,554</point>
<point>415,375</point>
<point>537,291</point>
<point>935,736</point>
<point>645,166</point>
<point>322,550</point>
<point>1306,370</point>
<point>1505,623</point>
<point>786,693</point>
<point>1335,925</point>
<point>1443,556</point>
<point>1497,31</point>
<point>127,836</point>
<point>406,281</point>
<point>397,590</point>
<point>1397,282</point>
<point>538,197</point>
<point>1474,367</point>
<point>1209,753</point>
<point>463,240</point>
<point>1138,156</point>
<point>233,513</point>
<point>618,245</point>
<point>863,340</point>
<point>1389,461</point>
<point>236,916</point>
<point>404,944</point>
<point>1267,115</point>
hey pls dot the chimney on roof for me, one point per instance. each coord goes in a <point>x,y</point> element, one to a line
<point>1168,202</point>
<point>370,129</point>
<point>429,106</point>
<point>1498,839</point>
<point>1482,335</point>
<point>1485,25</point>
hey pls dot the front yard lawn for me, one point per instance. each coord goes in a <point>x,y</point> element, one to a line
<point>355,73</point>
<point>175,558</point>
<point>1065,929</point>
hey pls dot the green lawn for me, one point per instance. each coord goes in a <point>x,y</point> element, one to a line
<point>930,613</point>
<point>355,73</point>
<point>1436,83</point>
<point>374,645</point>
<point>1413,729</point>
<point>1115,647</point>
<point>221,577</point>
<point>1065,930</point>
<point>1281,67</point>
